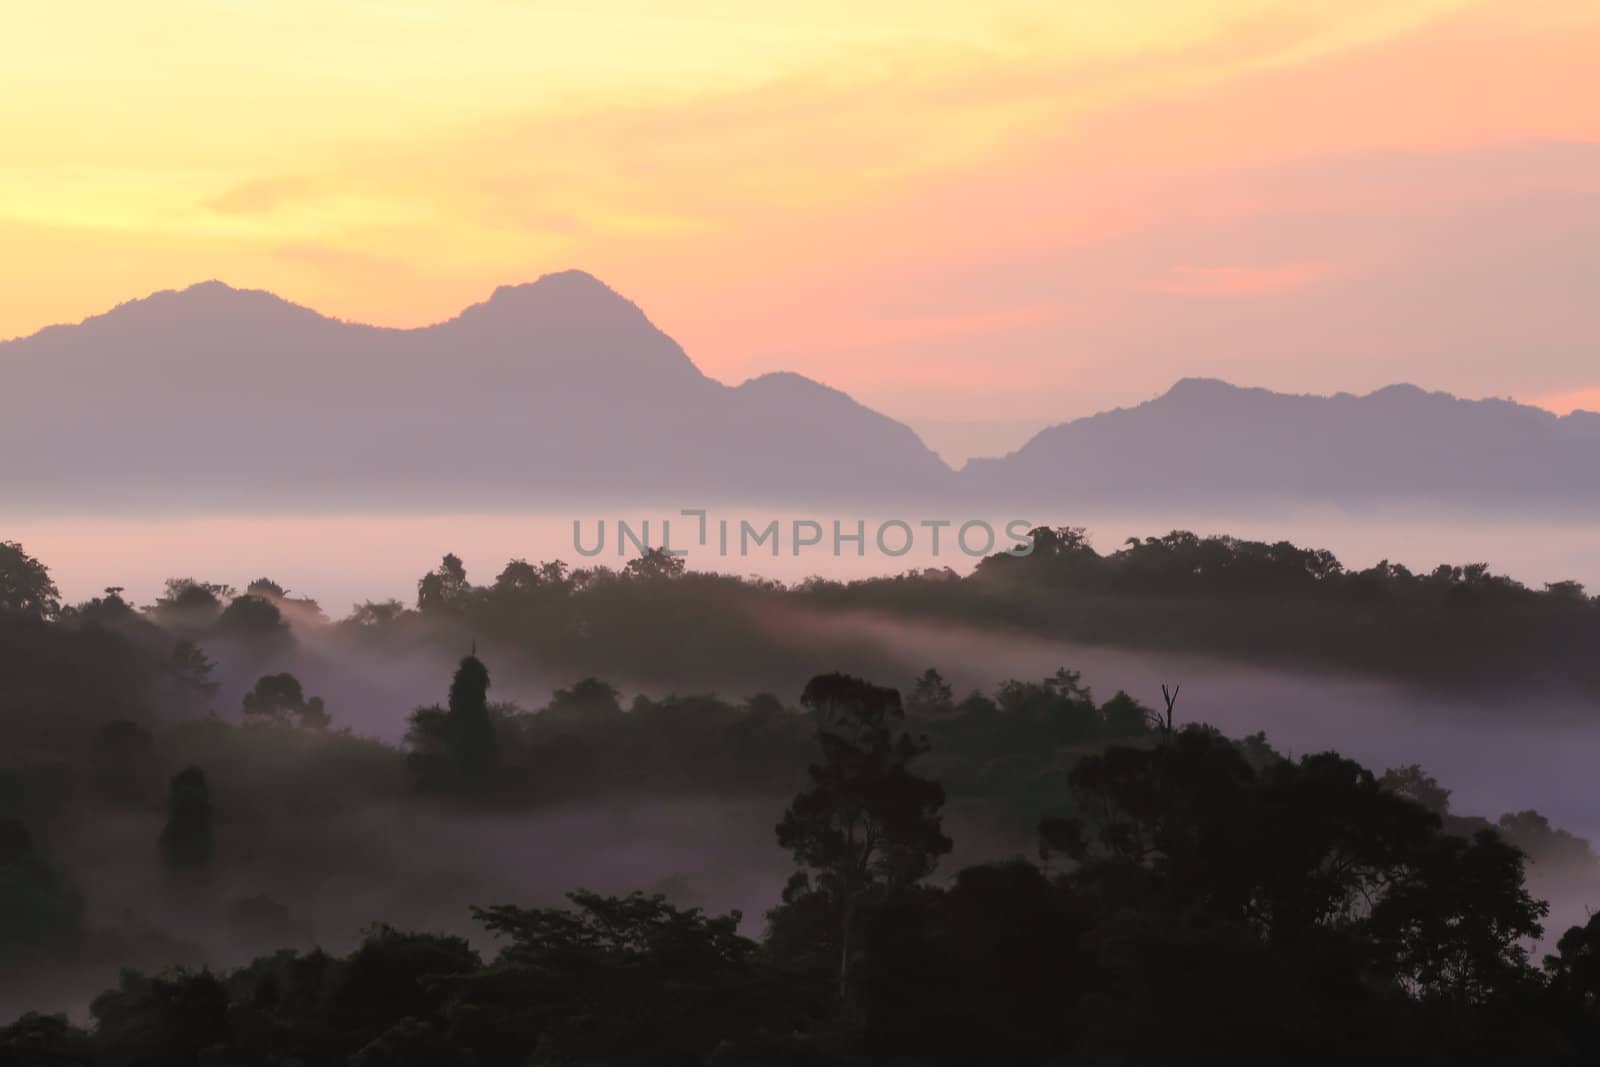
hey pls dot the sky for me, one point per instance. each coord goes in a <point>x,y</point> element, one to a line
<point>981,218</point>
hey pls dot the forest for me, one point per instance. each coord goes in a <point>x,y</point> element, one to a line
<point>1454,627</point>
<point>582,844</point>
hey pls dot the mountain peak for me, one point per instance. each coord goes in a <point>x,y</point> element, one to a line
<point>1200,388</point>
<point>1401,391</point>
<point>569,296</point>
<point>206,305</point>
<point>567,282</point>
<point>210,293</point>
<point>580,327</point>
<point>789,383</point>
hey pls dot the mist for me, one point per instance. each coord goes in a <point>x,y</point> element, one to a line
<point>341,560</point>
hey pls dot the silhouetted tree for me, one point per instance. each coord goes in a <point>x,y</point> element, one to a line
<point>1574,970</point>
<point>1457,924</point>
<point>189,603</point>
<point>1543,843</point>
<point>266,588</point>
<point>469,716</point>
<point>455,746</point>
<point>931,696</point>
<point>169,1018</point>
<point>1416,785</point>
<point>187,841</point>
<point>109,609</point>
<point>655,565</point>
<point>375,613</point>
<point>125,761</point>
<point>44,1041</point>
<point>190,670</point>
<point>521,578</point>
<point>670,984</point>
<point>280,698</point>
<point>25,585</point>
<point>445,589</point>
<point>866,824</point>
<point>40,915</point>
<point>255,620</point>
<point>589,701</point>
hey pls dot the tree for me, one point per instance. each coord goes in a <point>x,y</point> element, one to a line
<point>1416,785</point>
<point>190,670</point>
<point>654,565</point>
<point>1574,972</point>
<point>376,613</point>
<point>253,619</point>
<point>867,825</point>
<point>632,980</point>
<point>280,698</point>
<point>266,588</point>
<point>171,1018</point>
<point>40,915</point>
<point>124,761</point>
<point>1312,858</point>
<point>519,578</point>
<point>1569,591</point>
<point>1455,925</point>
<point>44,1041</point>
<point>469,714</point>
<point>1543,843</point>
<point>931,697</point>
<point>588,702</point>
<point>187,842</point>
<point>1068,685</point>
<point>25,585</point>
<point>187,602</point>
<point>454,747</point>
<point>445,589</point>
<point>108,610</point>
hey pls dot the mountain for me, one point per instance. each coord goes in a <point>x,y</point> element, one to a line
<point>546,393</point>
<point>1207,445</point>
<point>561,392</point>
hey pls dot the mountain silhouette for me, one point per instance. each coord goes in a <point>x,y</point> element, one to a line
<point>560,392</point>
<point>1207,444</point>
<point>546,393</point>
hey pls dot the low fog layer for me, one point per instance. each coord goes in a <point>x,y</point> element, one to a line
<point>343,560</point>
<point>1498,754</point>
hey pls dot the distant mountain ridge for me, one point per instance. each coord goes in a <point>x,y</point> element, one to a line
<point>1206,442</point>
<point>213,397</point>
<point>561,391</point>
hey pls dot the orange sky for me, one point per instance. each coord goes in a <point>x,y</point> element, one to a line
<point>1003,212</point>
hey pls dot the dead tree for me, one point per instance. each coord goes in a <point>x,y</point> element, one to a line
<point>1164,722</point>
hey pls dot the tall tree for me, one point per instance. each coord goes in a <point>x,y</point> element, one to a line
<point>469,713</point>
<point>867,825</point>
<point>187,840</point>
<point>454,747</point>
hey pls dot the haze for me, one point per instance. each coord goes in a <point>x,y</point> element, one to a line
<point>1097,199</point>
<point>344,559</point>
